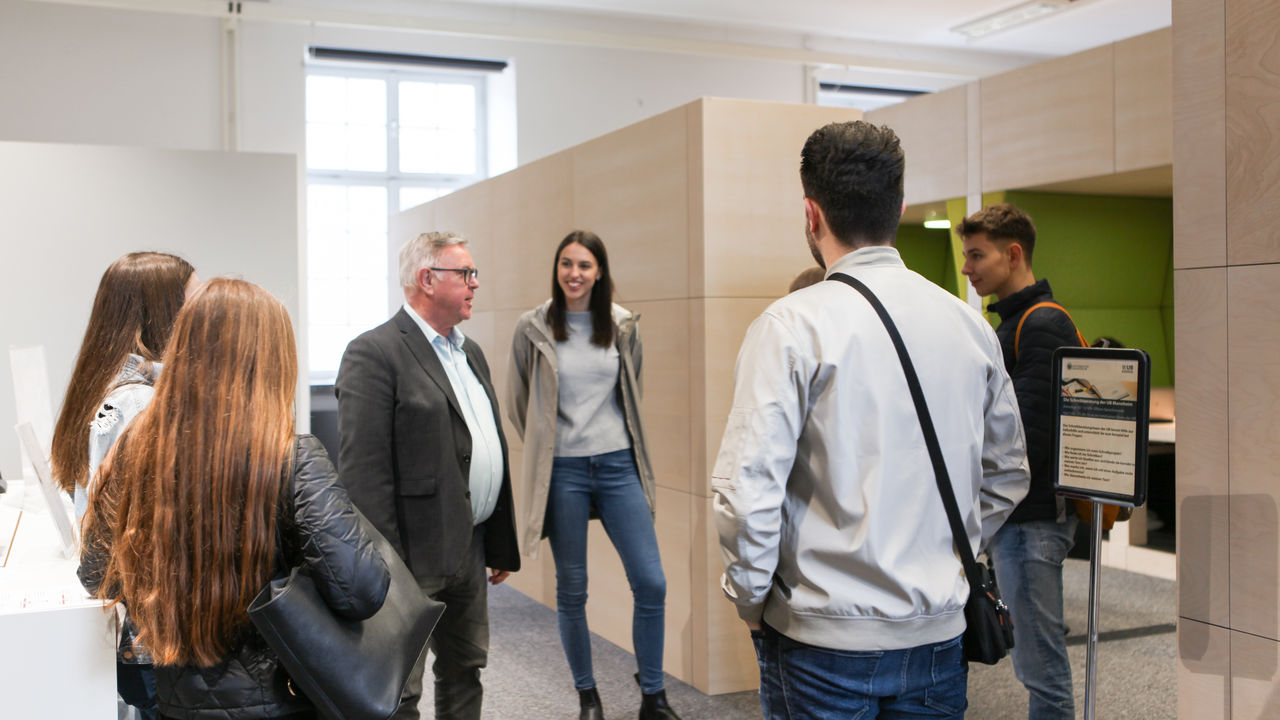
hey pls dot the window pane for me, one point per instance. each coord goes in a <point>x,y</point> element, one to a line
<point>368,306</point>
<point>326,343</point>
<point>417,150</point>
<point>366,101</point>
<point>367,209</point>
<point>326,250</point>
<point>457,152</point>
<point>326,99</point>
<point>326,146</point>
<point>412,196</point>
<point>326,207</point>
<point>417,100</point>
<point>327,300</point>
<point>457,107</point>
<point>367,148</point>
<point>366,257</point>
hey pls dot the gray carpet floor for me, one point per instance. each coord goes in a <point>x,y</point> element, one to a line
<point>528,677</point>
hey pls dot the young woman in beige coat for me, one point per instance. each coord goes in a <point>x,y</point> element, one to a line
<point>575,398</point>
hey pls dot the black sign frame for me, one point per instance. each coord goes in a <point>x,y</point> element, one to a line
<point>1072,399</point>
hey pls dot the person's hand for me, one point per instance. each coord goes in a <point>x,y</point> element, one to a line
<point>497,576</point>
<point>753,626</point>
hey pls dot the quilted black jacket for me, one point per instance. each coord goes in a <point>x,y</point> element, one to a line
<point>325,534</point>
<point>1031,368</point>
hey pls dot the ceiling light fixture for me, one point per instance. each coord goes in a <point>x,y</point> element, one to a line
<point>935,220</point>
<point>1011,16</point>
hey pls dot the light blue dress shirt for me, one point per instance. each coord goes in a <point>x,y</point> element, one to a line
<point>486,449</point>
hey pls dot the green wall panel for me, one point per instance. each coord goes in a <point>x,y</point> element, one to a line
<point>927,252</point>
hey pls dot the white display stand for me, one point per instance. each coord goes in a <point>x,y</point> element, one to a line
<point>59,659</point>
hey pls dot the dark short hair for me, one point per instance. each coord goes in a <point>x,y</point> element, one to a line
<point>853,171</point>
<point>1002,223</point>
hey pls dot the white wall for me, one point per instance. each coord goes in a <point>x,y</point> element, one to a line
<point>68,211</point>
<point>93,75</point>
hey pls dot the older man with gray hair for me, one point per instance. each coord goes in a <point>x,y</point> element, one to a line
<point>423,456</point>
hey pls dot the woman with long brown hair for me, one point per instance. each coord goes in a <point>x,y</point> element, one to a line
<point>184,520</point>
<point>137,302</point>
<point>138,299</point>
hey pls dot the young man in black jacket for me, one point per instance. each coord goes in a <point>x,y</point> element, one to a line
<point>1028,550</point>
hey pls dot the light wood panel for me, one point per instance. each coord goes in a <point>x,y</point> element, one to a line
<point>664,329</point>
<point>753,203</point>
<point>1204,670</point>
<point>1144,101</point>
<point>725,322</point>
<point>1253,138</point>
<point>631,188</point>
<point>1199,134</point>
<point>1255,682</point>
<point>1050,121</point>
<point>935,139</point>
<point>1200,345</point>
<point>1253,335</point>
<point>729,661</point>
<point>532,212</point>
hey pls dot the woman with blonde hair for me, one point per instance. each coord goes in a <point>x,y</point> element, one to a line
<point>206,495</point>
<point>575,400</point>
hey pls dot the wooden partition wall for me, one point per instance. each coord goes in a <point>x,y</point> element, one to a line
<point>1227,281</point>
<point>700,208</point>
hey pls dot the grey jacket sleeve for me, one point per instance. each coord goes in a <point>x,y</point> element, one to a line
<point>346,567</point>
<point>1005,474</point>
<point>518,378</point>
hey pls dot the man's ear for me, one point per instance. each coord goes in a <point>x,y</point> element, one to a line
<point>812,213</point>
<point>424,280</point>
<point>1017,256</point>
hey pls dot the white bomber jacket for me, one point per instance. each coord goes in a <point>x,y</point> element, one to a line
<point>831,527</point>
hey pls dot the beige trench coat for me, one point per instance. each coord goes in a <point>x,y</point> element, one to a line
<point>533,394</point>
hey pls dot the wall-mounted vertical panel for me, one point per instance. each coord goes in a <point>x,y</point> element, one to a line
<point>631,187</point>
<point>1144,101</point>
<point>533,214</point>
<point>1199,134</point>
<point>1200,339</point>
<point>1255,677</point>
<point>752,194</point>
<point>1204,671</point>
<point>933,132</point>
<point>1050,121</point>
<point>1253,364</point>
<point>1253,130</point>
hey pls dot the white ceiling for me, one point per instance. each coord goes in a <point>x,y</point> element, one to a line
<point>1084,24</point>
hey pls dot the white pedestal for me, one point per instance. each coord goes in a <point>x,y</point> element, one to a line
<point>59,658</point>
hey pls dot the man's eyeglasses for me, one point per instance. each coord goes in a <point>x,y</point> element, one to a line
<point>468,274</point>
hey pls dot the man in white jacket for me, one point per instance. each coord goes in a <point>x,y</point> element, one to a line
<point>836,546</point>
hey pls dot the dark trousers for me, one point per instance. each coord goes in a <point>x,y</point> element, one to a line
<point>460,642</point>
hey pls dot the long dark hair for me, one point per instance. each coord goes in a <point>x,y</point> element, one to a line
<point>137,302</point>
<point>188,495</point>
<point>601,303</point>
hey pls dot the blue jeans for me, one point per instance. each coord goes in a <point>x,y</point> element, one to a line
<point>804,682</point>
<point>1028,562</point>
<point>610,485</point>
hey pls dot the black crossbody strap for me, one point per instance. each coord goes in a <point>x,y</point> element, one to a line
<point>960,537</point>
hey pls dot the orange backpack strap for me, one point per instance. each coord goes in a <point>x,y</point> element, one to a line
<point>1017,334</point>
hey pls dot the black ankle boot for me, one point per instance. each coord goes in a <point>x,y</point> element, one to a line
<point>589,700</point>
<point>655,707</point>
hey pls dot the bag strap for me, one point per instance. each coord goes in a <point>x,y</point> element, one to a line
<point>1017,335</point>
<point>958,534</point>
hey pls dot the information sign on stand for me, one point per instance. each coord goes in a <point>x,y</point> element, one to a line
<point>1100,450</point>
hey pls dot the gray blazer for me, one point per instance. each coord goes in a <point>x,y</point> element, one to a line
<point>405,450</point>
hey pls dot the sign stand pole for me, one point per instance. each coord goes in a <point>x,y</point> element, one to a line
<point>1095,575</point>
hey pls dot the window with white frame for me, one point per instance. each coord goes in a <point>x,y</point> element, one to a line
<point>381,138</point>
